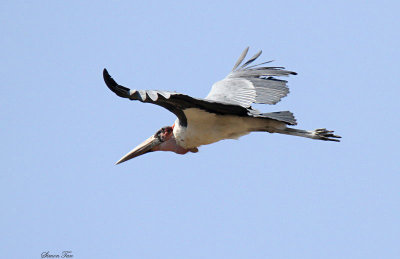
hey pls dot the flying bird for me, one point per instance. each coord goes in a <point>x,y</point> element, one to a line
<point>225,113</point>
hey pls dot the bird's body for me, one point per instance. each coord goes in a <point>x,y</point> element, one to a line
<point>206,128</point>
<point>226,112</point>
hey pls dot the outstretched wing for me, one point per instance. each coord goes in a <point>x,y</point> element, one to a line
<point>251,84</point>
<point>174,102</point>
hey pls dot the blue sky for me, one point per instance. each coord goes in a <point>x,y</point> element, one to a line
<point>264,196</point>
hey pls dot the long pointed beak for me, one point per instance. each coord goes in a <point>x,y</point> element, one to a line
<point>141,149</point>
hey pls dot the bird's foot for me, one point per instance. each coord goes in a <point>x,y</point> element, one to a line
<point>324,134</point>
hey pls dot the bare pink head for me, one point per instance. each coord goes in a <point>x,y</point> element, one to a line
<point>162,140</point>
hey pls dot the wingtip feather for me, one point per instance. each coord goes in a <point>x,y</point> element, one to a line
<point>110,82</point>
<point>241,58</point>
<point>114,86</point>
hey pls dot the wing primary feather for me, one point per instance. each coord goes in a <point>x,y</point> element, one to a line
<point>260,64</point>
<point>242,56</point>
<point>252,59</point>
<point>113,86</point>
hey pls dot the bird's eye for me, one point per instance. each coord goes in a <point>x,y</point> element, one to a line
<point>158,133</point>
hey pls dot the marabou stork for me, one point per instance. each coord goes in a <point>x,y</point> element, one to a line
<point>225,113</point>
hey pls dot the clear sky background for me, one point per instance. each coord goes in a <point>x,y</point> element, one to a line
<point>264,196</point>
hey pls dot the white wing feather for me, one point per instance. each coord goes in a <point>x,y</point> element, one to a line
<point>246,85</point>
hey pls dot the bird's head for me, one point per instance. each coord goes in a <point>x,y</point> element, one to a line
<point>162,140</point>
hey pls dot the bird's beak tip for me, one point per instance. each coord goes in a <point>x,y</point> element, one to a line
<point>141,149</point>
<point>124,159</point>
<point>118,162</point>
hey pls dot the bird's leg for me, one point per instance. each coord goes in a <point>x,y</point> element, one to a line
<point>321,134</point>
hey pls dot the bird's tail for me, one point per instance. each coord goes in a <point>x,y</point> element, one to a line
<point>321,134</point>
<point>284,116</point>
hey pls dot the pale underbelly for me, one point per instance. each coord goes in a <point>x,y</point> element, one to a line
<point>205,128</point>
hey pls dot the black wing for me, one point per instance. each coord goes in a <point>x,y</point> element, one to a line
<point>175,102</point>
